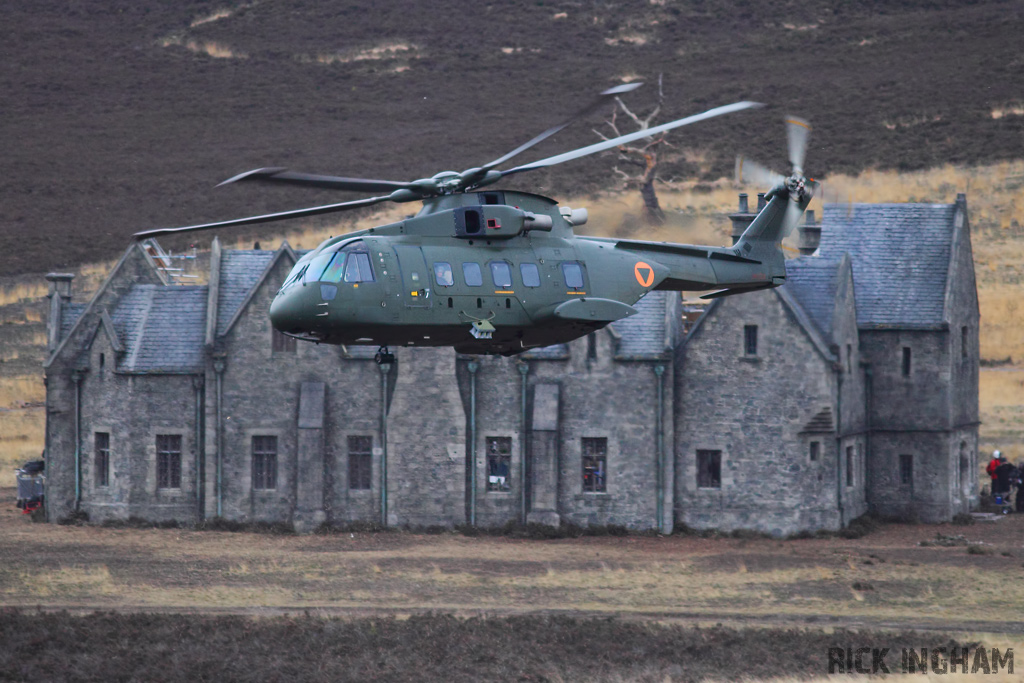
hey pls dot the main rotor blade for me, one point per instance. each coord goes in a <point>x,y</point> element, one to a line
<point>602,98</point>
<point>797,132</point>
<point>621,140</point>
<point>283,175</point>
<point>267,218</point>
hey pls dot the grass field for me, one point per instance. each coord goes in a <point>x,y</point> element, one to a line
<point>402,606</point>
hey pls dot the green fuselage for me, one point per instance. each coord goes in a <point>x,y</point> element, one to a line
<point>503,260</point>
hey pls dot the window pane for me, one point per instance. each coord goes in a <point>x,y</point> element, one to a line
<point>573,275</point>
<point>443,274</point>
<point>317,266</point>
<point>102,461</point>
<point>750,340</point>
<point>264,462</point>
<point>168,461</point>
<point>709,469</point>
<point>337,267</point>
<point>501,274</point>
<point>499,463</point>
<point>360,462</point>
<point>531,274</point>
<point>595,462</point>
<point>471,272</point>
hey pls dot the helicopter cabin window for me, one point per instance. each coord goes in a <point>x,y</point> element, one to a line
<point>471,272</point>
<point>358,268</point>
<point>531,274</point>
<point>443,274</point>
<point>334,271</point>
<point>317,267</point>
<point>501,273</point>
<point>573,274</point>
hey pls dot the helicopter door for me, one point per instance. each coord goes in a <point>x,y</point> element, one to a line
<point>415,277</point>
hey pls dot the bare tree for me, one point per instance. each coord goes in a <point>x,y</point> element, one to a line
<point>643,155</point>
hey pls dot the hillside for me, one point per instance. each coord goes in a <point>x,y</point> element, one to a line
<point>124,116</point>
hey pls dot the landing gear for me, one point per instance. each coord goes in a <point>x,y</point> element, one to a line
<point>384,356</point>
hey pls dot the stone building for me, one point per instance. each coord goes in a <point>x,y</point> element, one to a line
<point>784,410</point>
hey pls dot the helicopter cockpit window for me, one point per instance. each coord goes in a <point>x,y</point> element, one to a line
<point>471,272</point>
<point>335,269</point>
<point>573,273</point>
<point>443,274</point>
<point>531,274</point>
<point>358,268</point>
<point>297,272</point>
<point>317,266</point>
<point>501,274</point>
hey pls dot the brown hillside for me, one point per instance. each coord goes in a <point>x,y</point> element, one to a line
<point>124,116</point>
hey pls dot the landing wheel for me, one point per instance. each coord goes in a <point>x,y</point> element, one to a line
<point>384,356</point>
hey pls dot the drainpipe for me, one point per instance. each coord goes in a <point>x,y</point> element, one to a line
<point>868,390</point>
<point>524,370</point>
<point>197,385</point>
<point>77,377</point>
<point>385,368</point>
<point>218,368</point>
<point>839,446</point>
<point>473,366</point>
<point>659,371</point>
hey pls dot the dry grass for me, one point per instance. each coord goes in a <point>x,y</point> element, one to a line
<point>207,47</point>
<point>21,440</point>
<point>382,51</point>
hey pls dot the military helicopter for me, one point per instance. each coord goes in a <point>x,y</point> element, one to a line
<point>489,271</point>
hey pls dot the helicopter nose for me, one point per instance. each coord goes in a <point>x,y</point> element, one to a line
<point>286,313</point>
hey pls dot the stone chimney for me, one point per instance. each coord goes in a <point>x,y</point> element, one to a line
<point>743,218</point>
<point>809,234</point>
<point>60,295</point>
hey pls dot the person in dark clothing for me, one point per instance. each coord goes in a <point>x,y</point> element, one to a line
<point>1004,475</point>
<point>1019,483</point>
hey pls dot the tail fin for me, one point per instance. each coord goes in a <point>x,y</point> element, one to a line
<point>762,238</point>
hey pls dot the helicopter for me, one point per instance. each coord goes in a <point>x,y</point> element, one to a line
<point>500,272</point>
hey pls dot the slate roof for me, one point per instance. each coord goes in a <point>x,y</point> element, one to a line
<point>68,317</point>
<point>812,282</point>
<point>161,328</point>
<point>900,255</point>
<point>643,334</point>
<point>240,271</point>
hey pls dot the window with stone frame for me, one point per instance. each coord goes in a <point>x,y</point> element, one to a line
<point>282,343</point>
<point>595,465</point>
<point>709,469</point>
<point>168,461</point>
<point>906,470</point>
<point>499,463</point>
<point>264,463</point>
<point>815,451</point>
<point>750,340</point>
<point>849,465</point>
<point>360,462</point>
<point>101,458</point>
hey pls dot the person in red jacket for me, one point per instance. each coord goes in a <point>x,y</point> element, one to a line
<point>990,469</point>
